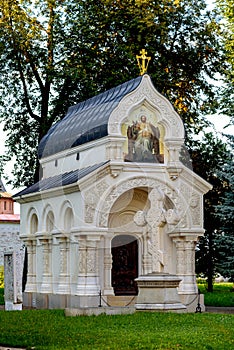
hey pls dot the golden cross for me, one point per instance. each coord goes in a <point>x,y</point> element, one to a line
<point>143,64</point>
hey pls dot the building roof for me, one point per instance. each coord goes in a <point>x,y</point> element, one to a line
<point>15,218</point>
<point>86,121</point>
<point>5,195</point>
<point>60,180</point>
<point>2,188</point>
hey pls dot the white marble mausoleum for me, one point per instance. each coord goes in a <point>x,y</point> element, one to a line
<point>116,212</point>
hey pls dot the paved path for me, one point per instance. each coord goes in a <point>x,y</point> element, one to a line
<point>220,310</point>
<point>7,348</point>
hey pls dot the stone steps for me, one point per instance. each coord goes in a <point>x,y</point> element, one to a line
<point>121,301</point>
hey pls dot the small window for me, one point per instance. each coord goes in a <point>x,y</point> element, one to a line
<point>56,162</point>
<point>5,205</point>
<point>77,156</point>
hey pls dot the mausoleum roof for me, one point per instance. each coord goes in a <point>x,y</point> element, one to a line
<point>86,121</point>
<point>60,180</point>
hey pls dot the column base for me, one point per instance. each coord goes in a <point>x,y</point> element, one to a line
<point>87,286</point>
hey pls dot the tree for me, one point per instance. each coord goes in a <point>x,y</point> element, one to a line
<point>56,53</point>
<point>226,104</point>
<point>211,158</point>
<point>224,240</point>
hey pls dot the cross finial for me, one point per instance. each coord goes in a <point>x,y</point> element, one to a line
<point>143,61</point>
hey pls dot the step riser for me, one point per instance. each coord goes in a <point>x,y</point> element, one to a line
<point>121,301</point>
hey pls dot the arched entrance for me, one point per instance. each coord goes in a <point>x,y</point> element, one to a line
<point>124,249</point>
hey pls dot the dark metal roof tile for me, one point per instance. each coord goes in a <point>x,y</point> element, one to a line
<point>85,121</point>
<point>60,180</point>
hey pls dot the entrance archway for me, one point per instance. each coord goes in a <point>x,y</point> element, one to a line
<point>124,250</point>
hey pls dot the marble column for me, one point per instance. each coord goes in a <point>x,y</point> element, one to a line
<point>46,286</point>
<point>107,290</point>
<point>185,263</point>
<point>64,286</point>
<point>88,278</point>
<point>31,285</point>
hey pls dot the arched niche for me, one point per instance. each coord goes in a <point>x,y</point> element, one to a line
<point>173,199</point>
<point>49,221</point>
<point>33,223</point>
<point>68,219</point>
<point>125,207</point>
<point>66,216</point>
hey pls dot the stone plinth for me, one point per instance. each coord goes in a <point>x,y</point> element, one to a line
<point>158,292</point>
<point>13,270</point>
<point>89,311</point>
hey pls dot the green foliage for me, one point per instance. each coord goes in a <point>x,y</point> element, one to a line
<point>222,295</point>
<point>56,53</point>
<point>226,104</point>
<point>224,241</point>
<point>211,156</point>
<point>50,329</point>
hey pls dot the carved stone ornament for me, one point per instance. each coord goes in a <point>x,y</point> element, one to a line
<point>194,204</point>
<point>139,218</point>
<point>147,92</point>
<point>92,197</point>
<point>195,209</point>
<point>116,192</point>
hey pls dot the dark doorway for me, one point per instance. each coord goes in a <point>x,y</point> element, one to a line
<point>124,265</point>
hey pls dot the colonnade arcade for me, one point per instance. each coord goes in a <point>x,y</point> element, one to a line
<point>69,259</point>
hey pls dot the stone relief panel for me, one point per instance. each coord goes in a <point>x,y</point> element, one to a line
<point>92,197</point>
<point>91,261</point>
<point>194,204</point>
<point>153,219</point>
<point>82,261</point>
<point>195,209</point>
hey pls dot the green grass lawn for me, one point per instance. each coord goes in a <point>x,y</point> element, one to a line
<point>50,329</point>
<point>222,295</point>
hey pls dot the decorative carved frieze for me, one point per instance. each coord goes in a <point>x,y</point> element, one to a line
<point>92,197</point>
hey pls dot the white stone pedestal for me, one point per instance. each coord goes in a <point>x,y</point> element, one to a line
<point>158,292</point>
<point>10,306</point>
